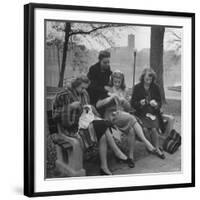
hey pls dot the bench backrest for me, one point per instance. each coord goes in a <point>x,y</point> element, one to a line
<point>52,125</point>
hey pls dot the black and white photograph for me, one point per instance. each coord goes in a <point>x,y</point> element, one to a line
<point>113,98</point>
<point>109,100</point>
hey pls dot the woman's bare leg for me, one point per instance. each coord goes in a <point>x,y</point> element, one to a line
<point>103,154</point>
<point>155,139</point>
<point>140,134</point>
<point>147,134</point>
<point>131,143</point>
<point>170,123</point>
<point>114,147</point>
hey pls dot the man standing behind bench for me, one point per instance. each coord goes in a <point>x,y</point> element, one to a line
<point>99,75</point>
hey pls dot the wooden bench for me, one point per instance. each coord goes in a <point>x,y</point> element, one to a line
<point>69,152</point>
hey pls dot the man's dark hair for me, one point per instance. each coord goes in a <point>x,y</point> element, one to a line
<point>104,54</point>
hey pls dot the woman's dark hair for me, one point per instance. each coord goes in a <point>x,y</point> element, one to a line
<point>79,80</point>
<point>104,54</point>
<point>118,74</point>
<point>151,74</point>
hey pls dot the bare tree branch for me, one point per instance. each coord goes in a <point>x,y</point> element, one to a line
<point>176,35</point>
<point>106,39</point>
<point>95,29</point>
<point>88,32</point>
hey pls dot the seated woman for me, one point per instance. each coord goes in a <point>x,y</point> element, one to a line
<point>118,87</point>
<point>67,109</point>
<point>146,100</point>
<point>125,122</point>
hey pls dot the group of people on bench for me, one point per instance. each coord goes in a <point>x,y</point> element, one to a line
<point>107,93</point>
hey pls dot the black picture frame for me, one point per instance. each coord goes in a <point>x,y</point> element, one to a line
<point>29,95</point>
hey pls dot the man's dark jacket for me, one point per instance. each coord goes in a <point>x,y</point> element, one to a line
<point>98,79</point>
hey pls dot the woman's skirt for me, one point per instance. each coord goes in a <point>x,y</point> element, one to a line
<point>100,127</point>
<point>147,122</point>
<point>90,137</point>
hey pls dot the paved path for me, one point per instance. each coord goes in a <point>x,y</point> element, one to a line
<point>145,162</point>
<point>153,164</point>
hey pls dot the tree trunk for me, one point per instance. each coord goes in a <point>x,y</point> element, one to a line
<point>156,55</point>
<point>64,57</point>
<point>58,58</point>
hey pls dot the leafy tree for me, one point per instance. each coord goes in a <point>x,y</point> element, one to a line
<point>82,53</point>
<point>174,39</point>
<point>70,33</point>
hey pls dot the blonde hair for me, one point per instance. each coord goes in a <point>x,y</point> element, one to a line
<point>118,74</point>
